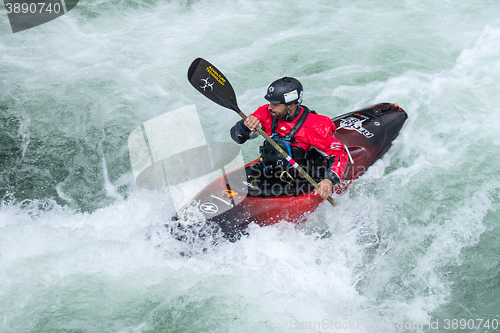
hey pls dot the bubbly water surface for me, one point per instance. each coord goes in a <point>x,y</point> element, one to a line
<point>412,244</point>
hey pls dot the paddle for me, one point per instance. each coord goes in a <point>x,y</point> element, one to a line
<point>209,81</point>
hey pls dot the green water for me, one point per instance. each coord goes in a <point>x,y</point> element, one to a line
<point>82,248</point>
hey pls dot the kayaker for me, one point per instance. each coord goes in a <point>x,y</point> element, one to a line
<point>296,128</point>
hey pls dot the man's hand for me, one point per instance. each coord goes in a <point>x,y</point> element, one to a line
<point>325,188</point>
<point>252,122</point>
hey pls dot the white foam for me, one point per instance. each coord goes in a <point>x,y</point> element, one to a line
<point>382,254</point>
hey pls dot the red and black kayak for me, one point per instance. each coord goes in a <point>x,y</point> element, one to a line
<point>228,204</point>
<point>231,202</point>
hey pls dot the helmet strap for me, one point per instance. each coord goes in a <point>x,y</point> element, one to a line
<point>289,111</point>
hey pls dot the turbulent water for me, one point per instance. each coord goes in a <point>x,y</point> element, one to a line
<point>411,247</point>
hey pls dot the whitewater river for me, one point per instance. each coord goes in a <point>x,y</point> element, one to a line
<point>413,246</point>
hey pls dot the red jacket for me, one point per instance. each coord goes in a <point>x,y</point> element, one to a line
<point>317,131</point>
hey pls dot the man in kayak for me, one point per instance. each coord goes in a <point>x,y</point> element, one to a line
<point>297,130</point>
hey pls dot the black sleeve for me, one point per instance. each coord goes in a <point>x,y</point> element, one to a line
<point>240,133</point>
<point>329,173</point>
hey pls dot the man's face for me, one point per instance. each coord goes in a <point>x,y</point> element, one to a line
<point>278,111</point>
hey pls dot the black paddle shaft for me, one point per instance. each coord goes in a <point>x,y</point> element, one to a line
<point>209,81</point>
